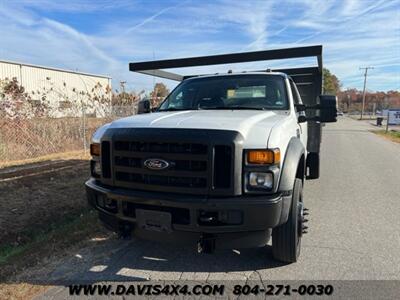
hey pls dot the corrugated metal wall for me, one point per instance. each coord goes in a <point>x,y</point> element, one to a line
<point>57,85</point>
<point>10,70</point>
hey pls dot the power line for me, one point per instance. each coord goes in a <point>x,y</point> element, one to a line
<point>364,90</point>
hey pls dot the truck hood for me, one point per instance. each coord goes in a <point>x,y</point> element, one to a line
<point>255,126</point>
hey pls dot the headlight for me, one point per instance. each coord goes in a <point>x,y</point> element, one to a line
<point>95,167</point>
<point>261,180</point>
<point>261,169</point>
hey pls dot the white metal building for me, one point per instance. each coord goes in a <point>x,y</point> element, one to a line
<point>68,93</point>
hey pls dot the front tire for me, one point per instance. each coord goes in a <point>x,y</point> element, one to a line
<point>286,238</point>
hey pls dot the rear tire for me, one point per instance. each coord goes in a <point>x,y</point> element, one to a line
<point>286,238</point>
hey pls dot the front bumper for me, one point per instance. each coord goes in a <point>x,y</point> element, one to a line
<point>243,221</point>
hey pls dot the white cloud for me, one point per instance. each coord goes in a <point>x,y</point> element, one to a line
<point>79,38</point>
<point>76,5</point>
<point>353,33</point>
<point>153,17</point>
<point>255,17</point>
<point>350,7</point>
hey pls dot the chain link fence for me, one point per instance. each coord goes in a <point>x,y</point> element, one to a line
<point>27,138</point>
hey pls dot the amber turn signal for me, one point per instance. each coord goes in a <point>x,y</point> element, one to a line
<point>95,149</point>
<point>270,156</point>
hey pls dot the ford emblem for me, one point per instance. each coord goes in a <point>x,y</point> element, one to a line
<point>156,164</point>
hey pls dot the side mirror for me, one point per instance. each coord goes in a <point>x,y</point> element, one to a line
<point>144,106</point>
<point>325,111</point>
<point>327,108</point>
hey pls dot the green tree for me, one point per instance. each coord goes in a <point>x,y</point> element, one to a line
<point>331,83</point>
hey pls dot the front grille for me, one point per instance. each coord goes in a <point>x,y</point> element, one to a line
<point>105,159</point>
<point>222,166</point>
<point>188,165</point>
<point>152,147</point>
<point>200,162</point>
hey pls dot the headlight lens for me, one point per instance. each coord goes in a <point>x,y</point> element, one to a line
<point>261,180</point>
<point>95,168</point>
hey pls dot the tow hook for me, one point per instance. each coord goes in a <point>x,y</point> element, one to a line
<point>206,244</point>
<point>207,219</point>
<point>303,212</point>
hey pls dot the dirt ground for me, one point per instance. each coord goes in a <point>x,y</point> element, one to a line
<point>32,197</point>
<point>43,216</point>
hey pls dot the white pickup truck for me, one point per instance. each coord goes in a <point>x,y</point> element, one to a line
<point>221,163</point>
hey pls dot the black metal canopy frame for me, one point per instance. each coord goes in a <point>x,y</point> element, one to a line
<point>153,67</point>
<point>307,79</point>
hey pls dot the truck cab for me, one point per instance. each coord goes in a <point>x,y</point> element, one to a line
<point>221,163</point>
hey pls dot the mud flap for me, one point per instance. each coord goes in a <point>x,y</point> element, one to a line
<point>313,165</point>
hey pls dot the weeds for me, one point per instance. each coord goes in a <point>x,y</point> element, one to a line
<point>391,134</point>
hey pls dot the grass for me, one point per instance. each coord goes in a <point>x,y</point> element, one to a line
<point>10,251</point>
<point>391,135</point>
<point>56,236</point>
<point>56,240</point>
<point>78,154</point>
<point>365,117</point>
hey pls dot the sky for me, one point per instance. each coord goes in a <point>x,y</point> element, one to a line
<point>102,36</point>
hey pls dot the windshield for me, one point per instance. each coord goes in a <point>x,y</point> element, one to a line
<point>229,92</point>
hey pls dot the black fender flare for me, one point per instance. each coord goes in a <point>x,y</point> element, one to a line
<point>290,164</point>
<point>291,161</point>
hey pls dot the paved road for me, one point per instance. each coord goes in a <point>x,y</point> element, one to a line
<point>354,227</point>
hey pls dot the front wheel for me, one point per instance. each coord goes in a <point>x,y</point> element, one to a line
<point>286,238</point>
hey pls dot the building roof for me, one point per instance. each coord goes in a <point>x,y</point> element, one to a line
<point>53,69</point>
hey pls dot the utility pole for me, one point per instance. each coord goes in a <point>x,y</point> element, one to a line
<point>154,58</point>
<point>364,90</point>
<point>122,84</point>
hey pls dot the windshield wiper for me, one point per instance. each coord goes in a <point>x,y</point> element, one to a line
<point>214,107</point>
<point>233,107</point>
<point>175,109</point>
